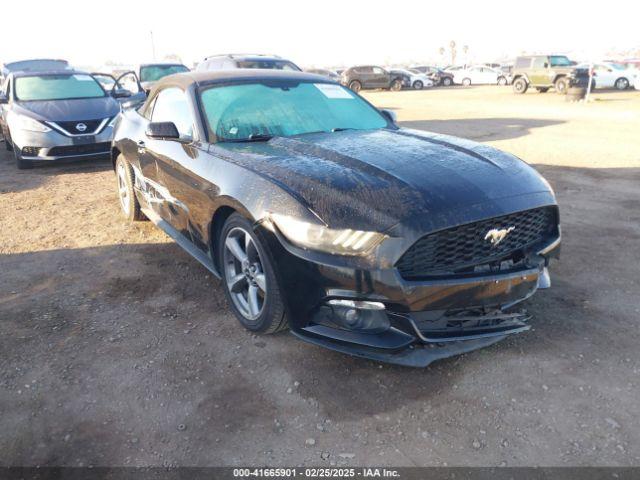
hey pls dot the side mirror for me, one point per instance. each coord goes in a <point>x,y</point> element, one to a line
<point>120,93</point>
<point>3,99</point>
<point>546,65</point>
<point>163,131</point>
<point>389,115</point>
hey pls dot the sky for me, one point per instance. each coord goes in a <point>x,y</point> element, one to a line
<point>314,33</point>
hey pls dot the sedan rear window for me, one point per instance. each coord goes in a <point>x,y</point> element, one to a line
<point>237,112</point>
<point>57,87</point>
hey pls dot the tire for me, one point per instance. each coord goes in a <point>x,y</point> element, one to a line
<point>561,85</point>
<point>249,278</point>
<point>446,82</point>
<point>396,85</point>
<point>418,85</point>
<point>355,86</point>
<point>520,85</point>
<point>466,82</point>
<point>20,163</point>
<point>129,204</point>
<point>502,81</point>
<point>542,89</point>
<point>621,84</point>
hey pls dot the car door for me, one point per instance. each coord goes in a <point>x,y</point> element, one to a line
<point>539,73</point>
<point>380,78</point>
<point>177,161</point>
<point>365,75</point>
<point>605,75</point>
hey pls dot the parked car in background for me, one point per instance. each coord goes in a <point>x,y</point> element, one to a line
<point>32,65</point>
<point>325,73</point>
<point>370,77</point>
<point>415,79</point>
<point>611,75</point>
<point>404,76</point>
<point>437,75</point>
<point>233,61</point>
<point>321,215</point>
<point>542,72</point>
<point>58,115</point>
<point>479,75</point>
<point>150,73</point>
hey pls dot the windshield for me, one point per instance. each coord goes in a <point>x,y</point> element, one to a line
<point>236,112</point>
<point>57,87</point>
<point>268,64</point>
<point>559,61</point>
<point>152,73</point>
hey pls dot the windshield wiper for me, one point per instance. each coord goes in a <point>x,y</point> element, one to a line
<point>341,129</point>
<point>254,137</point>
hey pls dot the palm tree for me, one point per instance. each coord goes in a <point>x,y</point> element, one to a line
<point>452,46</point>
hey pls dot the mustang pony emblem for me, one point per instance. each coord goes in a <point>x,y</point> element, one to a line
<point>495,236</point>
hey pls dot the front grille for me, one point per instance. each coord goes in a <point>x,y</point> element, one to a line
<point>70,150</point>
<point>72,127</point>
<point>461,248</point>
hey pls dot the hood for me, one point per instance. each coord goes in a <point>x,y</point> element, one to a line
<point>70,110</point>
<point>372,180</point>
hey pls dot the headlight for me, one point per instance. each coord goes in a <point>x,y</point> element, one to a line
<point>27,123</point>
<point>319,237</point>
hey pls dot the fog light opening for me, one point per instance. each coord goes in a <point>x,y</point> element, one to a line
<point>361,316</point>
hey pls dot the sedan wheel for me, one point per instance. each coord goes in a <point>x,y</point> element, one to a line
<point>244,273</point>
<point>622,84</point>
<point>446,81</point>
<point>502,81</point>
<point>466,82</point>
<point>249,278</point>
<point>125,181</point>
<point>417,85</point>
<point>355,86</point>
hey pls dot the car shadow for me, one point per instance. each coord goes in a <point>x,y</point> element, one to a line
<point>482,129</point>
<point>13,180</point>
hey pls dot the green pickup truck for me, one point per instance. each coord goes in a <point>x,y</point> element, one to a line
<point>542,72</point>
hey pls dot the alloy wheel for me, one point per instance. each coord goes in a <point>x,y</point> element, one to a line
<point>244,273</point>
<point>622,84</point>
<point>123,189</point>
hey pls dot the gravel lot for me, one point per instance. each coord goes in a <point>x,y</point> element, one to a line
<point>116,348</point>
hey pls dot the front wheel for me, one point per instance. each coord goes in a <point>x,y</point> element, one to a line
<point>446,81</point>
<point>396,86</point>
<point>502,81</point>
<point>249,277</point>
<point>125,180</point>
<point>622,84</point>
<point>561,85</point>
<point>520,85</point>
<point>418,85</point>
<point>355,86</point>
<point>466,82</point>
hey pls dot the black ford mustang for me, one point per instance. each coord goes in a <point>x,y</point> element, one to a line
<point>321,215</point>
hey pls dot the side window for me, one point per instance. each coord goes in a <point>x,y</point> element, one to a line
<point>171,106</point>
<point>378,71</point>
<point>523,62</point>
<point>539,62</point>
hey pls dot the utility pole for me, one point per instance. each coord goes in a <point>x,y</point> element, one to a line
<point>153,46</point>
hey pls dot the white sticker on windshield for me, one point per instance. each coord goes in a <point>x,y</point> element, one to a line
<point>333,91</point>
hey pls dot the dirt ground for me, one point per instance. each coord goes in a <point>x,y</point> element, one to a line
<point>116,348</point>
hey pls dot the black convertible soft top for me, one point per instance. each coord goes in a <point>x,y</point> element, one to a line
<point>242,74</point>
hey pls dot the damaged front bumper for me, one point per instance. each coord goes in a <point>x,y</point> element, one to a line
<point>378,315</point>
